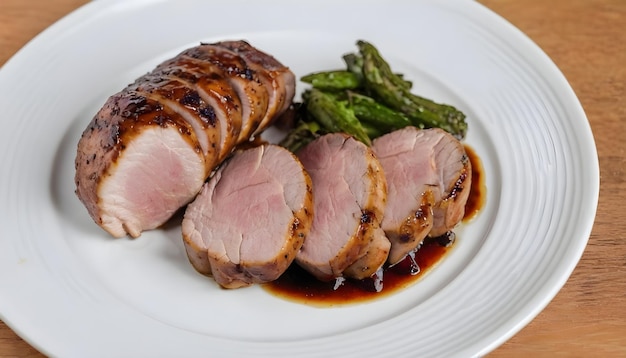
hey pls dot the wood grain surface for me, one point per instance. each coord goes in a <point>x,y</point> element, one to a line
<point>587,40</point>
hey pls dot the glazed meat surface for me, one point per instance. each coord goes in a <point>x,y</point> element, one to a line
<point>349,188</point>
<point>151,147</point>
<point>428,178</point>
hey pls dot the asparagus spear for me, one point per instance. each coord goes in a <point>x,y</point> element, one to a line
<point>379,116</point>
<point>354,64</point>
<point>392,91</point>
<point>333,80</point>
<point>333,115</point>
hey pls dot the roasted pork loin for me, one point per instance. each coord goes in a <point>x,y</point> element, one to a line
<point>251,218</point>
<point>428,178</point>
<point>151,147</point>
<point>350,193</point>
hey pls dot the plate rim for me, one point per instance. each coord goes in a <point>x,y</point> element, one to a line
<point>585,138</point>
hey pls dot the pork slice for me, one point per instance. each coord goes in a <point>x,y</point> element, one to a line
<point>350,192</point>
<point>251,218</point>
<point>207,96</point>
<point>281,82</point>
<point>157,168</point>
<point>184,99</point>
<point>455,171</point>
<point>376,253</point>
<point>415,163</point>
<point>248,84</point>
<point>204,108</point>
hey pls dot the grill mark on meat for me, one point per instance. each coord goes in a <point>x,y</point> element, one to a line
<point>108,137</point>
<point>253,97</point>
<point>166,95</point>
<point>257,61</point>
<point>174,89</point>
<point>131,109</point>
<point>218,104</point>
<point>146,112</point>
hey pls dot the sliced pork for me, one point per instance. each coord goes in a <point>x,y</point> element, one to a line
<point>251,218</point>
<point>428,179</point>
<point>456,178</point>
<point>349,188</point>
<point>376,253</point>
<point>150,148</point>
<point>274,79</point>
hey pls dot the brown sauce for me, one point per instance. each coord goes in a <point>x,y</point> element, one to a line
<point>298,285</point>
<point>478,191</point>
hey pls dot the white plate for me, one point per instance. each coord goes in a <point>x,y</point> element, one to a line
<point>70,290</point>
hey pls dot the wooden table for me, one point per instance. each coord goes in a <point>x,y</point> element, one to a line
<point>587,40</point>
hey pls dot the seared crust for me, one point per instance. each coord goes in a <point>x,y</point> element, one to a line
<point>203,94</point>
<point>428,173</point>
<point>346,238</point>
<point>451,209</point>
<point>410,235</point>
<point>257,61</point>
<point>106,137</point>
<point>375,252</point>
